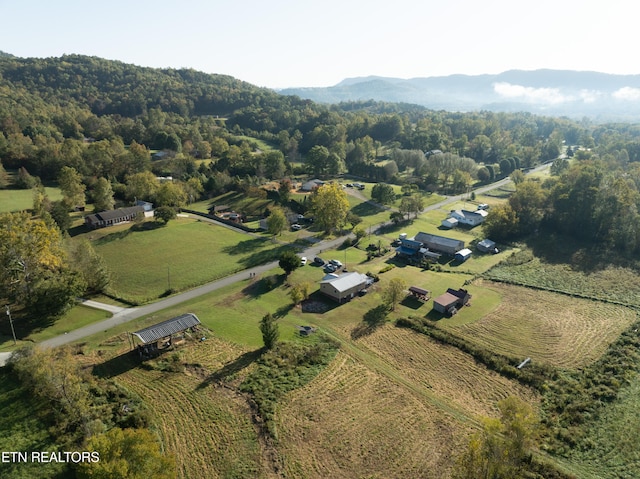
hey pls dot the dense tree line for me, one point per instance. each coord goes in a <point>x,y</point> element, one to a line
<point>595,200</point>
<point>102,116</point>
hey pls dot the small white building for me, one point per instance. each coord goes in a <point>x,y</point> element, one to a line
<point>449,223</point>
<point>463,255</point>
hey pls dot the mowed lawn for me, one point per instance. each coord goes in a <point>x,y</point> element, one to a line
<point>146,263</point>
<point>18,200</point>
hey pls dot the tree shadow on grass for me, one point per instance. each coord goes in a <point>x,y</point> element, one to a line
<point>267,283</point>
<point>231,368</point>
<point>412,303</point>
<point>117,365</point>
<point>372,320</point>
<point>366,209</point>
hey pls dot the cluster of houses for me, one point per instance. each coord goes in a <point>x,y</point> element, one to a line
<point>426,246</point>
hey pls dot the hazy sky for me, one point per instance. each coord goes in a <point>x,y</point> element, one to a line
<point>287,43</point>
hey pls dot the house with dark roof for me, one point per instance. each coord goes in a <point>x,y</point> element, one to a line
<point>343,287</point>
<point>113,217</point>
<point>440,244</point>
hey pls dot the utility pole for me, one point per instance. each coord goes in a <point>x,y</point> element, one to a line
<point>13,331</point>
<point>169,276</point>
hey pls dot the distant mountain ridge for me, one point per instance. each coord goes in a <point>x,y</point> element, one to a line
<point>600,96</point>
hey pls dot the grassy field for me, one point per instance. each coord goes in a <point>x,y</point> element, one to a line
<point>609,283</point>
<point>18,200</point>
<point>145,263</point>
<point>393,403</point>
<point>399,393</point>
<point>76,317</point>
<point>550,328</point>
<point>406,403</point>
<point>354,422</point>
<point>612,450</point>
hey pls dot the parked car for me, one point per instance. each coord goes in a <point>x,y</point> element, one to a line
<point>318,260</point>
<point>336,263</point>
<point>330,268</point>
<point>483,206</point>
<point>296,227</point>
<point>303,261</point>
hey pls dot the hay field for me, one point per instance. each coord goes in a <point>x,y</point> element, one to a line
<point>353,422</point>
<point>451,375</point>
<point>207,427</point>
<point>552,328</point>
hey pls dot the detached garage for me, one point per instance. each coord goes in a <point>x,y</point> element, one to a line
<point>463,255</point>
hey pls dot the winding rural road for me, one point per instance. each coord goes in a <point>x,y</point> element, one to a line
<point>124,315</point>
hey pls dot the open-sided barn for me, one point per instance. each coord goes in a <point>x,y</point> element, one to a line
<point>160,336</point>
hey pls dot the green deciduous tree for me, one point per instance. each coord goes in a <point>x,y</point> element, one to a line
<point>73,189</point>
<point>56,377</point>
<point>277,221</point>
<point>383,193</point>
<point>300,292</point>
<point>502,223</point>
<point>127,454</point>
<point>142,186</point>
<point>171,194</point>
<point>269,330</point>
<point>502,450</point>
<point>90,265</point>
<point>394,292</point>
<point>289,261</point>
<point>60,214</point>
<point>329,207</point>
<point>33,266</point>
<point>4,177</point>
<point>103,195</point>
<point>164,214</point>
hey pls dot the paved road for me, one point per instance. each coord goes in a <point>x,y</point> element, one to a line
<point>124,315</point>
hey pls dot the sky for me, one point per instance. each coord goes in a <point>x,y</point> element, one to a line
<point>300,43</point>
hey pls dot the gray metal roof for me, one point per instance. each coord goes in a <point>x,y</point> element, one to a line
<point>167,328</point>
<point>439,240</point>
<point>346,281</point>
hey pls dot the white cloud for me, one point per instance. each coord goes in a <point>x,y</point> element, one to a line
<point>530,94</point>
<point>627,93</point>
<point>589,96</point>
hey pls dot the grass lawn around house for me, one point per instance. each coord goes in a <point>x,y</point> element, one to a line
<point>19,200</point>
<point>146,263</point>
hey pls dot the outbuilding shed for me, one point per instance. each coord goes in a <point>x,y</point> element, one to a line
<point>463,255</point>
<point>160,336</point>
<point>487,246</point>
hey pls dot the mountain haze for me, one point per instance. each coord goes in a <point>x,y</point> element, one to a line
<point>576,94</point>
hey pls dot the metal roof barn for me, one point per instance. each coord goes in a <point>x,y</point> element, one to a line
<point>167,328</point>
